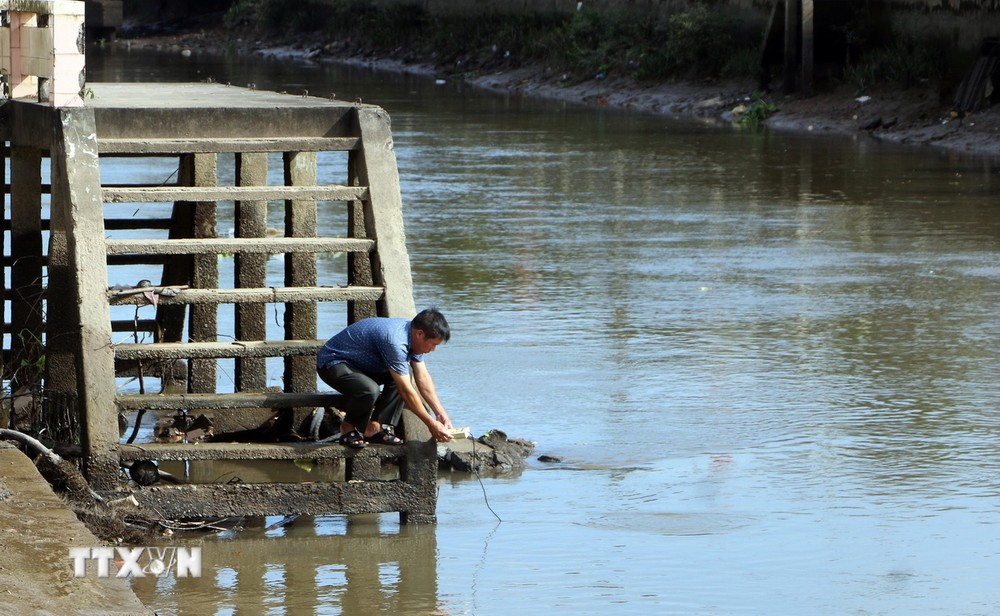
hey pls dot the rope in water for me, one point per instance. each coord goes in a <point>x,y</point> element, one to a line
<point>475,469</point>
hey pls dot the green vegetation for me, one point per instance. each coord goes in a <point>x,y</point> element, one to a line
<point>697,43</point>
<point>702,42</point>
<point>291,16</point>
<point>759,110</point>
<point>903,64</point>
<point>878,56</point>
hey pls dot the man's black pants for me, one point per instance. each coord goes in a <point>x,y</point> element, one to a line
<point>365,401</point>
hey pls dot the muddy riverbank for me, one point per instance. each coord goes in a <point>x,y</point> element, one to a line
<point>915,116</point>
<point>39,529</point>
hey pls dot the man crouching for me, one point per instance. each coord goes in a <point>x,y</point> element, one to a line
<point>370,362</point>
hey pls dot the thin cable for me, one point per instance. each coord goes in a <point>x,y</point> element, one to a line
<point>474,594</point>
<point>142,380</point>
<point>475,469</point>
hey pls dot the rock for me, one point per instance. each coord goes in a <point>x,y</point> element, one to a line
<point>872,125</point>
<point>144,472</point>
<point>493,452</point>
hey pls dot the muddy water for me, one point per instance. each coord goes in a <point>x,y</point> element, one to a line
<point>767,363</point>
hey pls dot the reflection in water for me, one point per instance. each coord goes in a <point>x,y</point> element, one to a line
<point>315,566</point>
<point>674,524</point>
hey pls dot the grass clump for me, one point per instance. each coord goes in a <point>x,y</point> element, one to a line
<point>697,43</point>
<point>592,42</point>
<point>291,16</point>
<point>900,63</point>
<point>757,111</point>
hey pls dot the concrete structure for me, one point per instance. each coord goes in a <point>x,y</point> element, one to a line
<point>99,231</point>
<point>41,50</point>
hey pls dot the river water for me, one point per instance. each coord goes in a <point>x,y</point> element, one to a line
<point>768,364</point>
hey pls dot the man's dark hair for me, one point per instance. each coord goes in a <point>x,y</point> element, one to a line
<point>433,324</point>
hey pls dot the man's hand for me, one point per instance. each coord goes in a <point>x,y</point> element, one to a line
<point>444,419</point>
<point>439,432</point>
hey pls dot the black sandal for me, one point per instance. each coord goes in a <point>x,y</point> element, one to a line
<point>352,439</point>
<point>385,436</point>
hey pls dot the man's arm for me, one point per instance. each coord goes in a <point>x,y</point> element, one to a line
<point>425,385</point>
<point>413,402</point>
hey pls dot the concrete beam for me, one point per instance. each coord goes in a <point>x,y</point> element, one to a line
<point>76,194</point>
<point>301,220</point>
<point>264,499</point>
<point>376,169</point>
<point>162,111</point>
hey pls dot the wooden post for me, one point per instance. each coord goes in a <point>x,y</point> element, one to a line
<point>76,191</point>
<point>26,270</point>
<point>251,270</point>
<point>807,47</point>
<point>300,270</point>
<point>792,23</point>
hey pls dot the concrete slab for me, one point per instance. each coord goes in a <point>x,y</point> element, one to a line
<point>107,95</point>
<point>144,111</point>
<point>36,532</point>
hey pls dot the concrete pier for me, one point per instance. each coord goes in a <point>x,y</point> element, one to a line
<point>66,346</point>
<point>196,125</point>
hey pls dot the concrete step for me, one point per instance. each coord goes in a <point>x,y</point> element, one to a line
<point>169,194</point>
<point>135,259</point>
<point>199,146</point>
<point>134,325</point>
<point>307,498</point>
<point>238,400</point>
<point>252,451</point>
<point>244,245</point>
<point>217,350</point>
<point>131,224</point>
<point>269,295</point>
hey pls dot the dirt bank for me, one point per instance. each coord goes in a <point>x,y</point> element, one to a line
<point>38,529</point>
<point>913,116</point>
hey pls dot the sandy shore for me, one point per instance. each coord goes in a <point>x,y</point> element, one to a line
<point>915,116</point>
